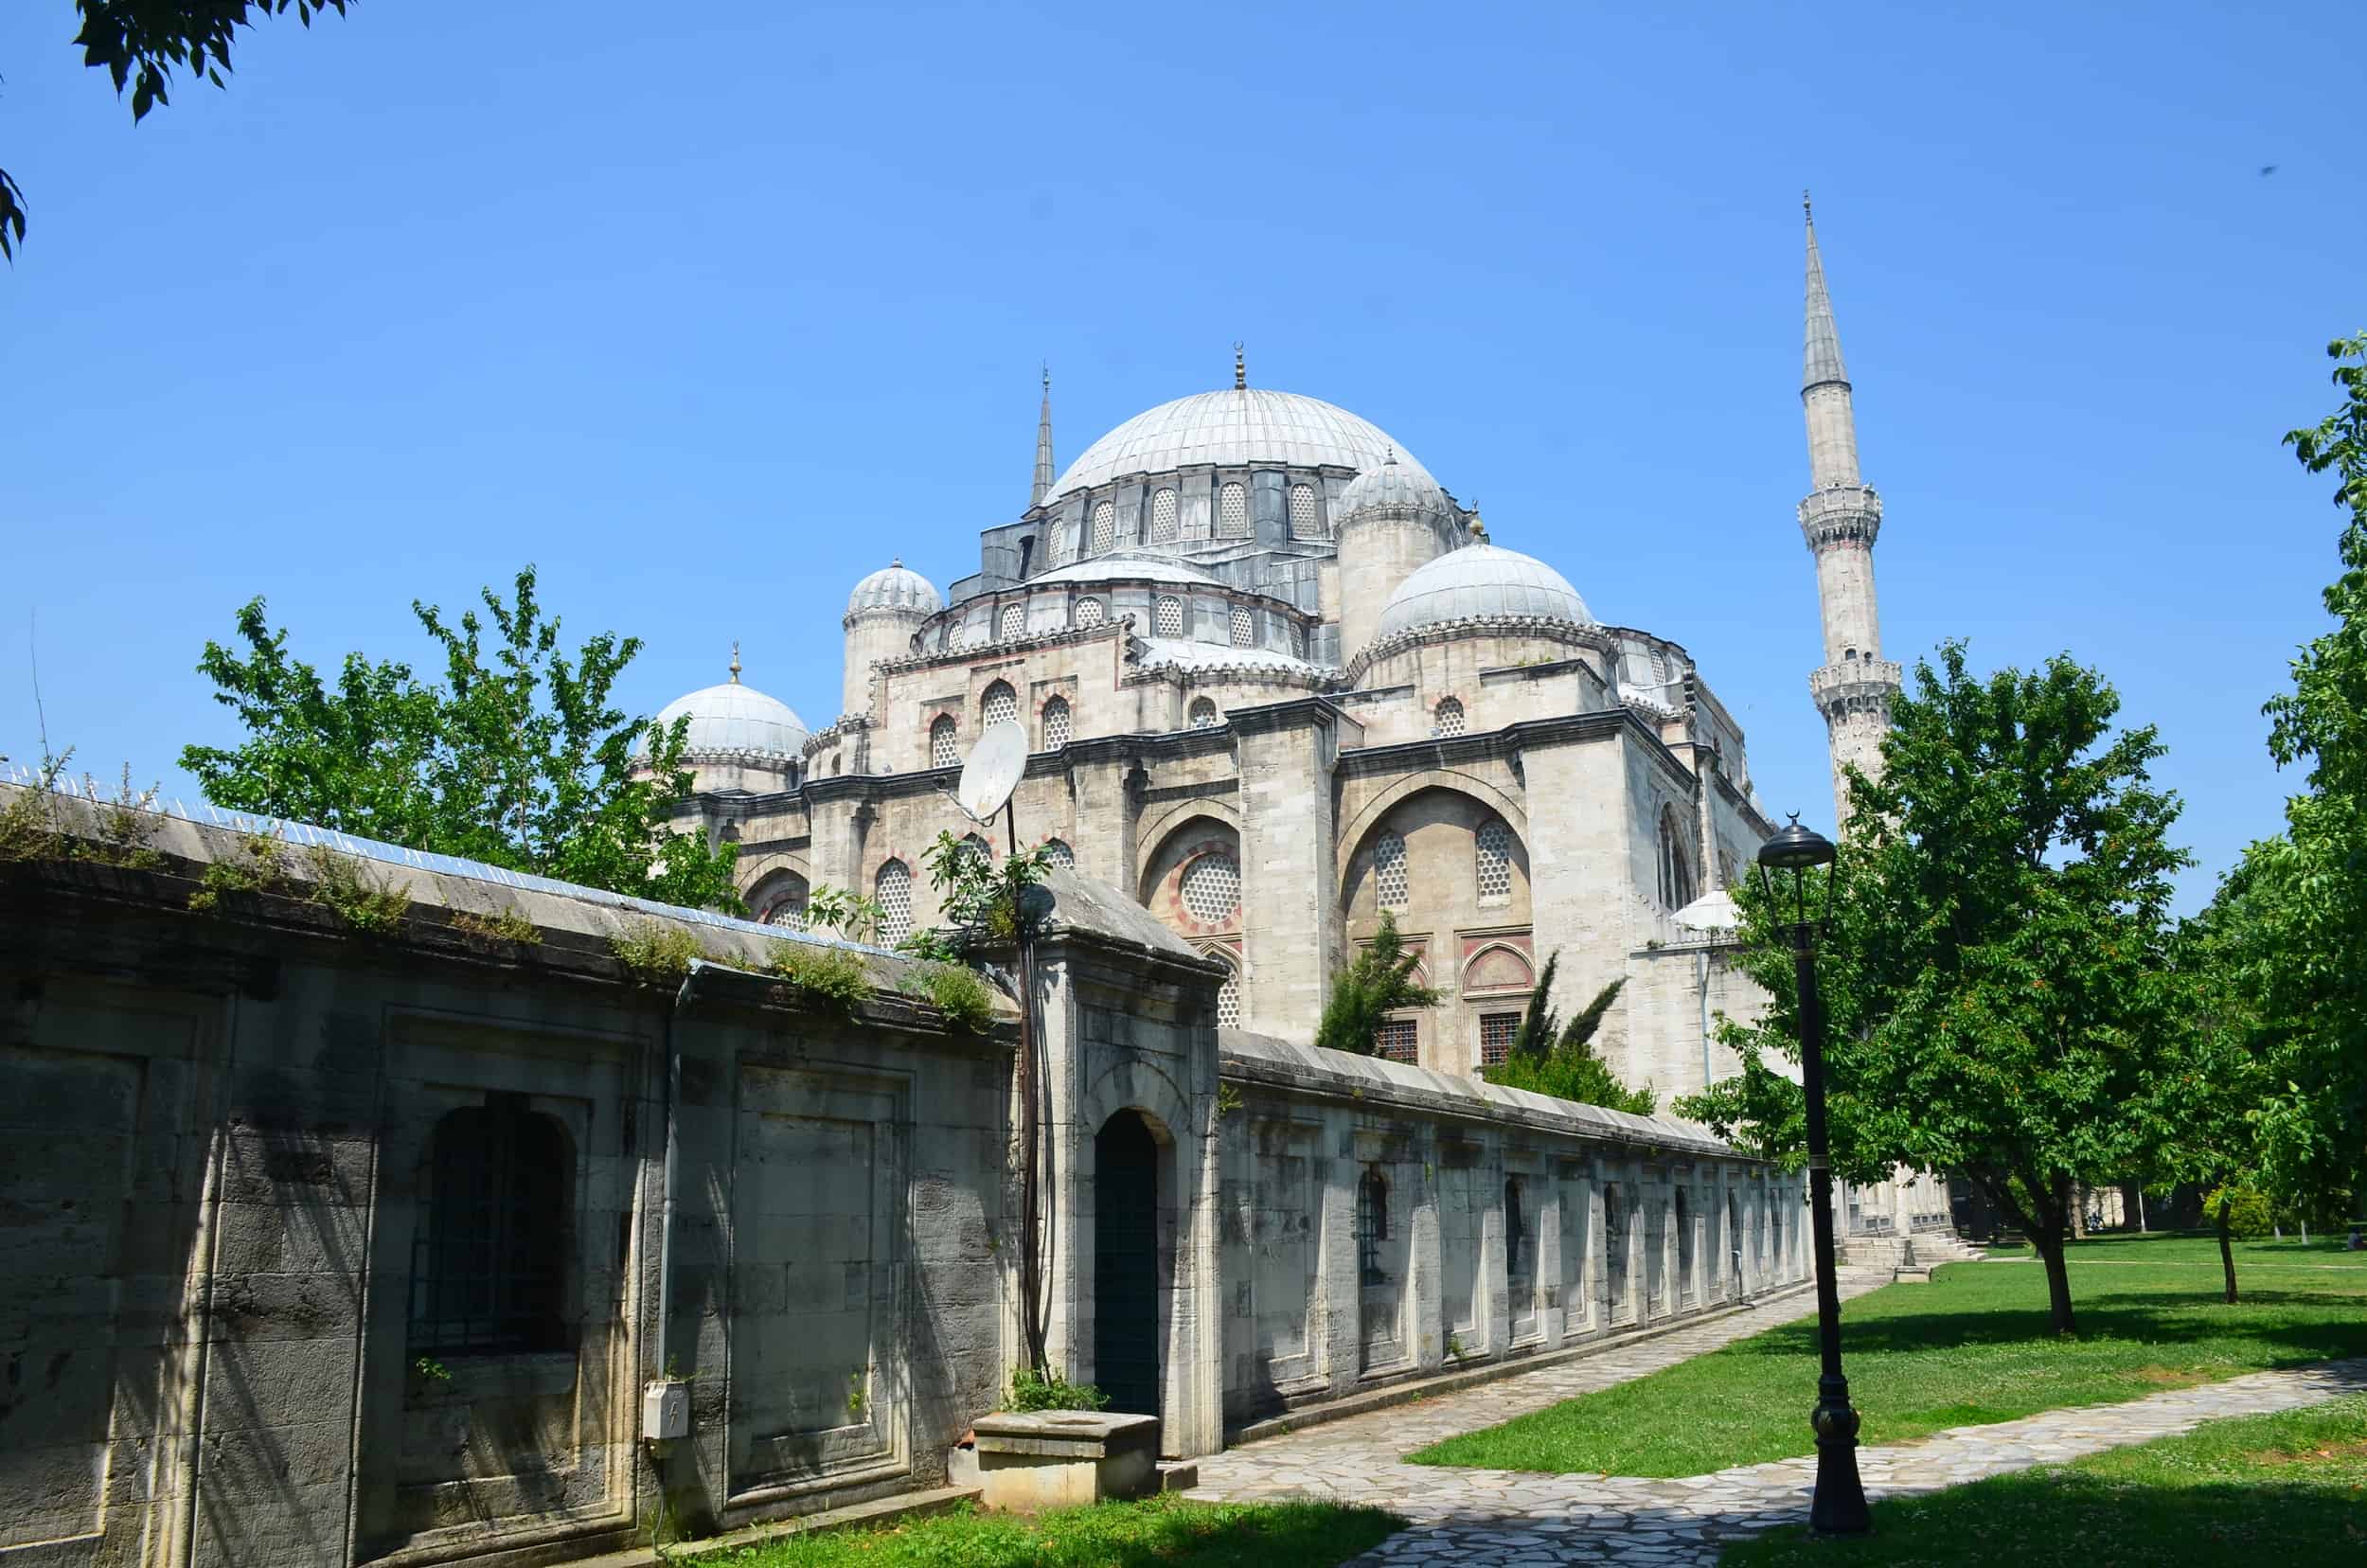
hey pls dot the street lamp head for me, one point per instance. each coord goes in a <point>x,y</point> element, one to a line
<point>1786,863</point>
<point>1796,848</point>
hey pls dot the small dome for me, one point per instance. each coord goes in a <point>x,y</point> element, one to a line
<point>1481,582</point>
<point>1393,489</point>
<point>895,586</point>
<point>732,720</point>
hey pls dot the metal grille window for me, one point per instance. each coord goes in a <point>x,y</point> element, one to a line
<point>1210,886</point>
<point>1204,713</point>
<point>1245,629</point>
<point>1303,511</point>
<point>1495,862</point>
<point>1162,524</point>
<point>489,1265</point>
<point>1000,706</point>
<point>1398,1039</point>
<point>1391,880</point>
<point>1233,512</point>
<point>1062,855</point>
<point>1088,613</point>
<point>1014,622</point>
<point>1497,1030</point>
<point>893,887</point>
<point>1229,1001</point>
<point>1372,1225</point>
<point>1446,718</point>
<point>942,753</point>
<point>975,850</point>
<point>1168,619</point>
<point>1676,863</point>
<point>1056,723</point>
<point>1298,640</point>
<point>1105,525</point>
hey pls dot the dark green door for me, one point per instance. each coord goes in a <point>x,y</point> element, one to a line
<point>1125,1265</point>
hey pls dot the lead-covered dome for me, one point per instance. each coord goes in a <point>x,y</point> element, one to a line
<point>1393,490</point>
<point>1481,582</point>
<point>895,586</point>
<point>1235,428</point>
<point>732,720</point>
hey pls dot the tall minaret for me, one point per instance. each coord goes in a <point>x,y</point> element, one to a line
<point>1841,516</point>
<point>1043,445</point>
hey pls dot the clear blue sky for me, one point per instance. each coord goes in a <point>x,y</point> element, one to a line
<point>709,310</point>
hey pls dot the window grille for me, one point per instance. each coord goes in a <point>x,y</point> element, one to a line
<point>1001,704</point>
<point>1163,525</point>
<point>489,1265</point>
<point>1676,865</point>
<point>1204,713</point>
<point>1397,1040</point>
<point>1298,640</point>
<point>1062,855</point>
<point>1169,621</point>
<point>1372,1225</point>
<point>1014,622</point>
<point>789,910</point>
<point>1105,525</point>
<point>942,753</point>
<point>1303,511</point>
<point>1245,629</point>
<point>1495,862</point>
<point>1056,723</point>
<point>955,640</point>
<point>1233,512</point>
<point>1391,880</point>
<point>1088,613</point>
<point>975,850</point>
<point>894,889</point>
<point>1446,718</point>
<point>1497,1030</point>
<point>1210,886</point>
<point>1229,1001</point>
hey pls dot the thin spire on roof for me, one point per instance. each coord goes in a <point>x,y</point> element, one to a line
<point>1043,445</point>
<point>734,661</point>
<point>1240,367</point>
<point>1824,346</point>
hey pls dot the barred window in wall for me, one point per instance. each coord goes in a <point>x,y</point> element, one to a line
<point>1088,613</point>
<point>1245,629</point>
<point>488,1258</point>
<point>1303,511</point>
<point>1232,512</point>
<point>1229,1000</point>
<point>1676,865</point>
<point>1203,714</point>
<point>1298,640</point>
<point>1167,620</point>
<point>893,887</point>
<point>1058,852</point>
<point>1000,706</point>
<point>1211,888</point>
<point>1398,1039</point>
<point>1014,624</point>
<point>1497,1030</point>
<point>975,852</point>
<point>942,753</point>
<point>1056,723</point>
<point>1446,718</point>
<point>1105,525</point>
<point>1372,1225</point>
<point>1495,862</point>
<point>1392,883</point>
<point>1162,524</point>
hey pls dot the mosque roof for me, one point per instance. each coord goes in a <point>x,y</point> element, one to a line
<point>739,720</point>
<point>1171,652</point>
<point>896,586</point>
<point>1238,426</point>
<point>1121,568</point>
<point>1481,582</point>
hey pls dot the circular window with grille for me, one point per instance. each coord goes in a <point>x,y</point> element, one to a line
<point>1245,629</point>
<point>1232,512</point>
<point>1056,723</point>
<point>1303,511</point>
<point>1000,706</point>
<point>1088,613</point>
<point>1105,525</point>
<point>1169,621</point>
<point>1014,622</point>
<point>1162,524</point>
<point>1211,887</point>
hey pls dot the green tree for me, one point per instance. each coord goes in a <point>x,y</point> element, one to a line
<point>1379,982</point>
<point>1548,1057</point>
<point>140,44</point>
<point>518,758</point>
<point>1996,981</point>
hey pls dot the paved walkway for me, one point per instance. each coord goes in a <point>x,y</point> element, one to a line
<point>1521,1519</point>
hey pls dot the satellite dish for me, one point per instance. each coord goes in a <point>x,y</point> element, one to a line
<point>993,769</point>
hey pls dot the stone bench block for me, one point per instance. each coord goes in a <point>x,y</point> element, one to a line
<point>1063,1458</point>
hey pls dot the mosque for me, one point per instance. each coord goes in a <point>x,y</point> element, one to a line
<point>1278,681</point>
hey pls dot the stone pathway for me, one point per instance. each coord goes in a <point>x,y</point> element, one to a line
<point>1521,1519</point>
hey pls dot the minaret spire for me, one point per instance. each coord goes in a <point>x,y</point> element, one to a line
<point>1043,445</point>
<point>1840,517</point>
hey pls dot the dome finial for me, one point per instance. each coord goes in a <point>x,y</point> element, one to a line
<point>1240,367</point>
<point>1805,210</point>
<point>1479,527</point>
<point>1389,455</point>
<point>734,661</point>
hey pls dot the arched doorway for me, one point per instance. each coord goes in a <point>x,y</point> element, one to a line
<point>1125,1264</point>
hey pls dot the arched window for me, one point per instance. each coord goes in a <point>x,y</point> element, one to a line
<point>1229,1000</point>
<point>1676,863</point>
<point>836,761</point>
<point>1105,525</point>
<point>1204,713</point>
<point>490,1248</point>
<point>1211,888</point>
<point>1233,512</point>
<point>1303,513</point>
<point>1372,1225</point>
<point>1014,624</point>
<point>976,850</point>
<point>1088,613</point>
<point>1392,883</point>
<point>943,747</point>
<point>1446,718</point>
<point>1494,842</point>
<point>1298,640</point>
<point>1056,723</point>
<point>1060,854</point>
<point>1515,1228</point>
<point>1000,706</point>
<point>1167,621</point>
<point>1163,525</point>
<point>780,900</point>
<point>893,887</point>
<point>955,639</point>
<point>1245,629</point>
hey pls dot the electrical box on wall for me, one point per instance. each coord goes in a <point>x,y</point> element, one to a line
<point>666,1411</point>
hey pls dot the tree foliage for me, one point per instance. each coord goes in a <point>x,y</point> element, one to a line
<point>1379,982</point>
<point>1548,1057</point>
<point>1996,980</point>
<point>519,758</point>
<point>141,43</point>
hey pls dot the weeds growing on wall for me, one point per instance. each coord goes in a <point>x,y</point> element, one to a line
<point>502,925</point>
<point>830,976</point>
<point>1035,1389</point>
<point>655,953</point>
<point>123,826</point>
<point>258,863</point>
<point>961,994</point>
<point>347,887</point>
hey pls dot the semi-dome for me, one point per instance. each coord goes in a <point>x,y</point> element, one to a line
<point>1236,427</point>
<point>732,720</point>
<point>1394,488</point>
<point>1481,582</point>
<point>895,586</point>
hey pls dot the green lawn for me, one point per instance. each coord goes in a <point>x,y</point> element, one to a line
<point>1163,1531</point>
<point>2277,1489</point>
<point>1970,1347</point>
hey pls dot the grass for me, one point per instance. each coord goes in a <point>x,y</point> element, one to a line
<point>1971,1347</point>
<point>1166,1532</point>
<point>2284,1489</point>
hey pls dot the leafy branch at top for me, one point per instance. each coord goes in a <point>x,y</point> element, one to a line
<point>1379,982</point>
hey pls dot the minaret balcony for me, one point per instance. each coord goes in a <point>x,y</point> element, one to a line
<point>1843,515</point>
<point>1855,685</point>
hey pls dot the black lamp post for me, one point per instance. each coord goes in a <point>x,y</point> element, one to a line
<point>1786,865</point>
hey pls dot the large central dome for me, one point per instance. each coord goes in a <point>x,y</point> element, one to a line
<point>1240,426</point>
